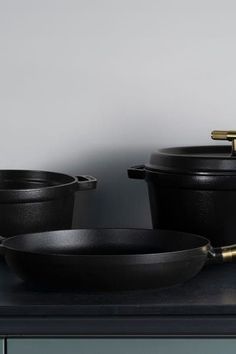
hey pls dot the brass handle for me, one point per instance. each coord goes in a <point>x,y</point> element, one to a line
<point>229,253</point>
<point>226,254</point>
<point>229,135</point>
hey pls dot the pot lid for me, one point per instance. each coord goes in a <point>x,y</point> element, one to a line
<point>212,158</point>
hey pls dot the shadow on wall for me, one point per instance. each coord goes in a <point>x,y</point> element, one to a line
<point>118,200</point>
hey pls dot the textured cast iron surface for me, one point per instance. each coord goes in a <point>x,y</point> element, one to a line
<point>210,213</point>
<point>37,216</point>
<point>193,189</point>
<point>33,201</point>
<point>110,258</point>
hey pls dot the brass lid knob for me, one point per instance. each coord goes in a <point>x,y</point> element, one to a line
<point>229,135</point>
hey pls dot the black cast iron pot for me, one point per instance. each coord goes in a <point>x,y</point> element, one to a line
<point>33,201</point>
<point>193,189</point>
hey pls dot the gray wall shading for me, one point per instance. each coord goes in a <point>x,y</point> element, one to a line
<point>95,86</point>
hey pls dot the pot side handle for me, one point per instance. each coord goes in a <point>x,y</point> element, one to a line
<point>86,182</point>
<point>226,254</point>
<point>137,172</point>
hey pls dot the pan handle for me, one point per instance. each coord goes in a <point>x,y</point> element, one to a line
<point>137,172</point>
<point>1,246</point>
<point>226,254</point>
<point>86,182</point>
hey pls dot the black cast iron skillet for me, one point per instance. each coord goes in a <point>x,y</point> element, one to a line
<point>110,258</point>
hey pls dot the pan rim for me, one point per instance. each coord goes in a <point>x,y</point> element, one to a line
<point>188,252</point>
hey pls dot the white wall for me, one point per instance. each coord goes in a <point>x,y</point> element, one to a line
<point>94,86</point>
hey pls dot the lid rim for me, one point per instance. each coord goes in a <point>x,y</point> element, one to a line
<point>193,159</point>
<point>191,172</point>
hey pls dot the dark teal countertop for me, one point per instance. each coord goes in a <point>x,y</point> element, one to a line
<point>206,305</point>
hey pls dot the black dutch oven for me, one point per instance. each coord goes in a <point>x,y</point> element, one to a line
<point>33,201</point>
<point>193,189</point>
